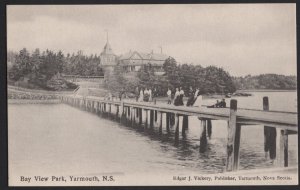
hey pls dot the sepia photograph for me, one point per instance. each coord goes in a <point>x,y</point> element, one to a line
<point>152,94</point>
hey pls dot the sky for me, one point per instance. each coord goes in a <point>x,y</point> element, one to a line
<point>241,38</point>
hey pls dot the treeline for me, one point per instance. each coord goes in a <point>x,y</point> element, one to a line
<point>41,67</point>
<point>210,79</point>
<point>266,81</point>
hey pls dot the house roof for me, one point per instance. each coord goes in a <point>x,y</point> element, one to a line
<point>144,56</point>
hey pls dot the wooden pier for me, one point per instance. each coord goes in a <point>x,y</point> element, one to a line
<point>131,113</point>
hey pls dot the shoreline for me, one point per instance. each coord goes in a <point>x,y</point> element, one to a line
<point>265,90</point>
<point>29,101</point>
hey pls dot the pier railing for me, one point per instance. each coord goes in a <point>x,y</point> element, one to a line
<point>130,113</point>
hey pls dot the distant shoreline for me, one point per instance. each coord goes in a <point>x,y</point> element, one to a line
<point>265,90</point>
<point>29,101</point>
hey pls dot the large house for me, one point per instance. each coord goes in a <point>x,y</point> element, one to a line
<point>132,61</point>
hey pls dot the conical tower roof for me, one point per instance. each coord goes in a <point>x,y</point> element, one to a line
<point>107,49</point>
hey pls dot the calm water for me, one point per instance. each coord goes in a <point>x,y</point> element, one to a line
<point>63,140</point>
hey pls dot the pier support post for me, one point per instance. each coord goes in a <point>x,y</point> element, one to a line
<point>135,117</point>
<point>172,119</point>
<point>132,116</point>
<point>168,122</point>
<point>203,138</point>
<point>209,128</point>
<point>100,108</point>
<point>151,119</point>
<point>185,124</point>
<point>117,112</point>
<point>233,140</point>
<point>176,124</point>
<point>283,157</point>
<point>269,134</point>
<point>128,115</point>
<point>159,120</point>
<point>155,115</point>
<point>140,117</point>
<point>109,110</point>
<point>146,119</point>
<point>97,107</point>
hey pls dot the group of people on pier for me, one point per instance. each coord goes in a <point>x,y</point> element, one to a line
<point>194,97</point>
<point>144,95</point>
<point>175,98</point>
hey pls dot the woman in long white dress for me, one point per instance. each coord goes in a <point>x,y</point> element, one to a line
<point>150,94</point>
<point>198,102</point>
<point>141,97</point>
<point>177,98</point>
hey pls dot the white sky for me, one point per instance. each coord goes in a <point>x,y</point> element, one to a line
<point>241,38</point>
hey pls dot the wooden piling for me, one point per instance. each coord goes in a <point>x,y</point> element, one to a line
<point>159,120</point>
<point>172,119</point>
<point>233,140</point>
<point>209,128</point>
<point>140,117</point>
<point>117,112</point>
<point>128,121</point>
<point>185,124</point>
<point>132,114</point>
<point>136,119</point>
<point>269,134</point>
<point>168,122</point>
<point>123,114</point>
<point>176,125</point>
<point>109,110</point>
<point>283,158</point>
<point>146,119</point>
<point>203,138</point>
<point>151,119</point>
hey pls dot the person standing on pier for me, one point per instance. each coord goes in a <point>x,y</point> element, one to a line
<point>191,97</point>
<point>136,93</point>
<point>198,102</point>
<point>155,92</point>
<point>141,97</point>
<point>122,94</point>
<point>169,94</point>
<point>181,94</point>
<point>177,98</point>
<point>150,94</point>
<point>146,95</point>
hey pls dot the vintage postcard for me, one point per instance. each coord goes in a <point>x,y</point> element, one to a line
<point>147,95</point>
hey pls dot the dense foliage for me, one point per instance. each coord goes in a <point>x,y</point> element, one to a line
<point>266,81</point>
<point>40,68</point>
<point>209,80</point>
